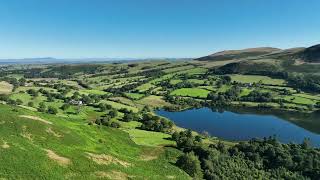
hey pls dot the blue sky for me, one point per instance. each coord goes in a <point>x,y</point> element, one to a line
<point>152,28</point>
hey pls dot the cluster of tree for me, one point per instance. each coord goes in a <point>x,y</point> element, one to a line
<point>184,84</point>
<point>61,72</point>
<point>51,96</point>
<point>255,159</point>
<point>305,82</point>
<point>43,108</point>
<point>223,98</point>
<point>151,73</point>
<point>107,121</point>
<point>258,96</point>
<point>104,107</point>
<point>130,116</point>
<point>83,84</point>
<point>182,102</point>
<point>15,82</point>
<point>113,71</point>
<point>155,123</point>
<point>125,88</point>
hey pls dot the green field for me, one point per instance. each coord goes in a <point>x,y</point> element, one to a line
<point>149,138</point>
<point>134,96</point>
<point>92,91</point>
<point>117,105</point>
<point>145,87</point>
<point>178,69</point>
<point>153,101</point>
<point>299,100</point>
<point>191,92</point>
<point>256,79</point>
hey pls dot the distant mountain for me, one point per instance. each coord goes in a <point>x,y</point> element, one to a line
<point>238,54</point>
<point>307,55</point>
<point>311,54</point>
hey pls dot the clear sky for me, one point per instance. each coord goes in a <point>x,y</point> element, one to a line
<point>152,28</point>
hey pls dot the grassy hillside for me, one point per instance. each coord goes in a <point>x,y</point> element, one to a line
<point>238,54</point>
<point>35,145</point>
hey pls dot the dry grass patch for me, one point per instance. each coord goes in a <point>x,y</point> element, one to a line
<point>50,131</point>
<point>36,119</point>
<point>151,154</point>
<point>26,134</point>
<point>103,159</point>
<point>171,177</point>
<point>5,88</point>
<point>154,101</point>
<point>5,145</point>
<point>62,161</point>
<point>116,175</point>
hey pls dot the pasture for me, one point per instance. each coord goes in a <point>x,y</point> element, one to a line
<point>191,92</point>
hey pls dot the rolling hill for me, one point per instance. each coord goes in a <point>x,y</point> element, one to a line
<point>238,54</point>
<point>311,54</point>
<point>300,54</point>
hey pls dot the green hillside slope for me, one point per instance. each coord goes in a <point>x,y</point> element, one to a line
<point>43,146</point>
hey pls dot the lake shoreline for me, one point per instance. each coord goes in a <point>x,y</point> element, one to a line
<point>273,120</point>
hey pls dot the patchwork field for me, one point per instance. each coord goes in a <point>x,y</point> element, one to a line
<point>99,121</point>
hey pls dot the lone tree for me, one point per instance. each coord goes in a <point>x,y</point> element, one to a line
<point>190,164</point>
<point>30,104</point>
<point>52,110</point>
<point>42,107</point>
<point>65,106</point>
<point>19,102</point>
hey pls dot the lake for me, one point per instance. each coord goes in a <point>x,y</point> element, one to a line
<point>244,124</point>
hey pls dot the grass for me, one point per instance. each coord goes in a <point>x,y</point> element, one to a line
<point>24,143</point>
<point>145,87</point>
<point>92,91</point>
<point>224,88</point>
<point>308,96</point>
<point>210,88</point>
<point>27,98</point>
<point>178,69</point>
<point>191,92</point>
<point>134,96</point>
<point>117,105</point>
<point>256,79</point>
<point>196,81</point>
<point>5,88</point>
<point>299,100</point>
<point>153,101</point>
<point>175,81</point>
<point>149,138</point>
<point>25,88</point>
<point>245,92</point>
<point>194,71</point>
<point>70,83</point>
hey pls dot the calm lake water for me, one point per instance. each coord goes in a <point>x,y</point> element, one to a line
<point>247,124</point>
